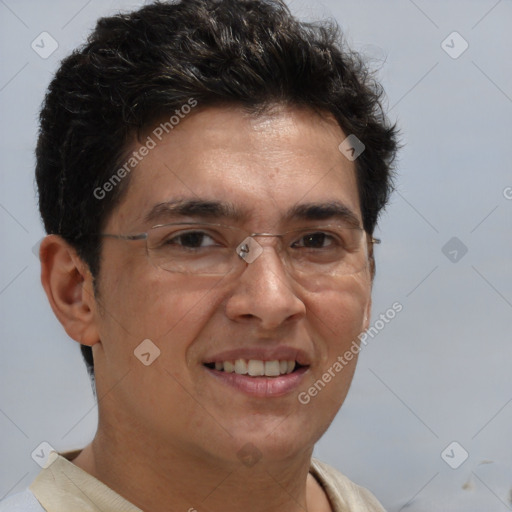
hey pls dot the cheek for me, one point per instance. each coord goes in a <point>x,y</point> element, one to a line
<point>340,314</point>
<point>338,317</point>
<point>180,306</point>
<point>153,305</point>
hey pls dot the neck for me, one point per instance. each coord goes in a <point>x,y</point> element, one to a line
<point>154,478</point>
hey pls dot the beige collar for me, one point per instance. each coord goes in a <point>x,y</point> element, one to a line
<point>62,487</point>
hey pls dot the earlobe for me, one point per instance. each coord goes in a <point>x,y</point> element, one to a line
<point>68,284</point>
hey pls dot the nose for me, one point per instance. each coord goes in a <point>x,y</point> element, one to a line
<point>264,293</point>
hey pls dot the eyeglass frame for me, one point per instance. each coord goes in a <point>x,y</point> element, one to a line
<point>145,236</point>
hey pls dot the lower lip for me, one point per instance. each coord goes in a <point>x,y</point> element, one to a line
<point>262,387</point>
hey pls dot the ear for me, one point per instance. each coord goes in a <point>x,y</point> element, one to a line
<point>68,284</point>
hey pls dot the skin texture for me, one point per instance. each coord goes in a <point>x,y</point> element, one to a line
<point>169,433</point>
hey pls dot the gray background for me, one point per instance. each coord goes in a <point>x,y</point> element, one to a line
<point>440,371</point>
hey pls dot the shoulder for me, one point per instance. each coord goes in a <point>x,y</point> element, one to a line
<point>22,502</point>
<point>343,493</point>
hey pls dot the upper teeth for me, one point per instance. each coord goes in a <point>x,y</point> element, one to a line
<point>256,367</point>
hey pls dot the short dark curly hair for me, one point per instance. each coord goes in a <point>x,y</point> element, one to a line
<point>137,67</point>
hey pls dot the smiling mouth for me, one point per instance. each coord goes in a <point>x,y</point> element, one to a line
<point>255,367</point>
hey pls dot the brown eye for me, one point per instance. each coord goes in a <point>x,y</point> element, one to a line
<point>189,240</point>
<point>192,240</point>
<point>316,240</point>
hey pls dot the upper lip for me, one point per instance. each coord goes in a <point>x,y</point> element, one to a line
<point>280,353</point>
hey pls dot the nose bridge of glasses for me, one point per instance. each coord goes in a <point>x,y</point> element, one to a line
<point>263,237</point>
<point>250,249</point>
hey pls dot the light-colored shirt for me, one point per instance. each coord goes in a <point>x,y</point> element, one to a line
<point>64,487</point>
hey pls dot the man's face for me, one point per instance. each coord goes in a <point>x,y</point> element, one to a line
<point>263,168</point>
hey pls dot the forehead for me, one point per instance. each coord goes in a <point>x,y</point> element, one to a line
<point>262,165</point>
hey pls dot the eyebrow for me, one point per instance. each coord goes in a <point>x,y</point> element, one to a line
<point>194,208</point>
<point>216,210</point>
<point>331,210</point>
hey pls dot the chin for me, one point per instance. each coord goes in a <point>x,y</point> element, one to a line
<point>276,438</point>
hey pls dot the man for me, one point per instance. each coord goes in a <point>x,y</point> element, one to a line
<point>210,174</point>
